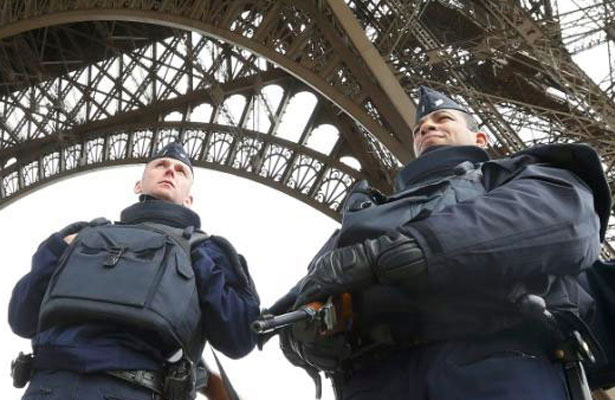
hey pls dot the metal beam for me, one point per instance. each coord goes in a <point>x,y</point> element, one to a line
<point>374,61</point>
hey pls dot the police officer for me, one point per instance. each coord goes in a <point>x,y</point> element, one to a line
<point>96,359</point>
<point>439,271</point>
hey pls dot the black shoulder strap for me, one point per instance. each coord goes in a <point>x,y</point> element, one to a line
<point>361,192</point>
<point>188,237</point>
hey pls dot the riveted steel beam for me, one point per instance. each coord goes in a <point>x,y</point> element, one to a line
<point>209,146</point>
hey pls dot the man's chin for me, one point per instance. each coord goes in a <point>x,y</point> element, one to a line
<point>162,195</point>
<point>432,143</point>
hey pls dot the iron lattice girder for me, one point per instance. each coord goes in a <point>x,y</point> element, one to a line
<point>312,177</point>
<point>587,26</point>
<point>503,63</point>
<point>44,54</point>
<point>301,171</point>
<point>271,29</point>
<point>505,60</point>
<point>24,151</point>
<point>243,17</point>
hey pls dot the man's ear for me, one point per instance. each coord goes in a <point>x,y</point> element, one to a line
<point>138,189</point>
<point>481,139</point>
<point>188,201</point>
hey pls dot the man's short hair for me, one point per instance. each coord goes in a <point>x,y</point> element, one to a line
<point>471,122</point>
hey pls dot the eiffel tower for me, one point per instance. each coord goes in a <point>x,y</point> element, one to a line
<point>306,97</point>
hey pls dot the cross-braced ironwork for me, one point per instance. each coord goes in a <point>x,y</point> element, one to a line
<point>247,63</point>
<point>228,108</point>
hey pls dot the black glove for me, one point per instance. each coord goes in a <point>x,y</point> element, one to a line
<point>386,259</point>
<point>326,353</point>
<point>292,350</point>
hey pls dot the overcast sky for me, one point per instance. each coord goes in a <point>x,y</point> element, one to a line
<point>277,234</point>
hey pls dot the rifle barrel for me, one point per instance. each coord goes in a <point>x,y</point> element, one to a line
<point>266,324</point>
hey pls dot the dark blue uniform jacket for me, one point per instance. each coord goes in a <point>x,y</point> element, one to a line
<point>527,223</point>
<point>228,310</point>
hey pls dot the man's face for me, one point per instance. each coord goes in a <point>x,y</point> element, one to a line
<point>166,179</point>
<point>445,127</point>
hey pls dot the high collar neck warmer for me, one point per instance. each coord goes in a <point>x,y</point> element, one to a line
<point>150,209</point>
<point>437,161</point>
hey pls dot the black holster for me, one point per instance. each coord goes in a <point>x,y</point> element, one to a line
<point>575,351</point>
<point>572,349</point>
<point>22,369</point>
<point>180,381</point>
<point>578,388</point>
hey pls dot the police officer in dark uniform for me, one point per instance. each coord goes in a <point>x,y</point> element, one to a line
<point>104,348</point>
<point>440,271</point>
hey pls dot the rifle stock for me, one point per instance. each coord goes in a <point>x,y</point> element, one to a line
<point>215,389</point>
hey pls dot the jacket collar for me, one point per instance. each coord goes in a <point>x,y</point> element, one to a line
<point>150,209</point>
<point>437,161</point>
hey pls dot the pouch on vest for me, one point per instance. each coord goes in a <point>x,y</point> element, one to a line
<point>136,276</point>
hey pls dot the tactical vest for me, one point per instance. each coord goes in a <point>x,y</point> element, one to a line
<point>136,276</point>
<point>389,314</point>
<point>393,314</point>
<point>368,214</point>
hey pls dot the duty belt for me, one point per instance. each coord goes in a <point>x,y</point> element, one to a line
<point>148,379</point>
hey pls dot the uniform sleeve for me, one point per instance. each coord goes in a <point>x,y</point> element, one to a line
<point>228,306</point>
<point>540,221</point>
<point>29,292</point>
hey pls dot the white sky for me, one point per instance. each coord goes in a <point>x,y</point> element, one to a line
<point>277,234</point>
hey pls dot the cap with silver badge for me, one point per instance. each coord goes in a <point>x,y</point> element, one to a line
<point>176,151</point>
<point>431,100</point>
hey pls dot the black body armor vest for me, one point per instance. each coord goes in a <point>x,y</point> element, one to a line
<point>136,274</point>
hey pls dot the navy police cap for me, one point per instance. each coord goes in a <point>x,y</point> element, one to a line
<point>431,100</point>
<point>176,151</point>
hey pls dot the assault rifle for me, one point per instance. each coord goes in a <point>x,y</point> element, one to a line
<point>330,317</point>
<point>324,319</point>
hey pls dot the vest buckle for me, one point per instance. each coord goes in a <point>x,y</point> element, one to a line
<point>115,253</point>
